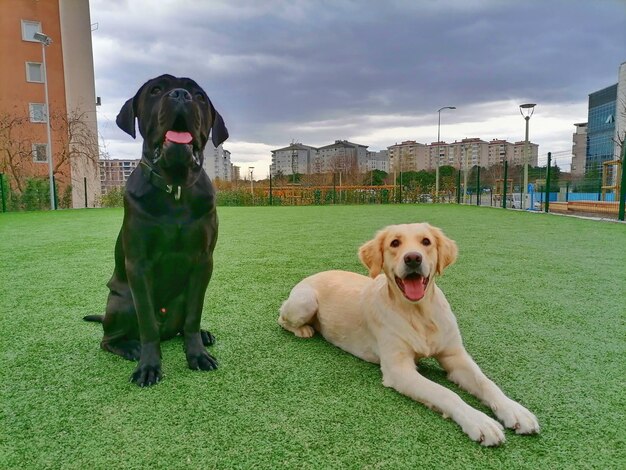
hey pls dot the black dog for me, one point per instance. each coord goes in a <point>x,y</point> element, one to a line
<point>164,251</point>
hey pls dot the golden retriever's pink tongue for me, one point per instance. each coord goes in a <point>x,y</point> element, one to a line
<point>414,288</point>
<point>178,137</point>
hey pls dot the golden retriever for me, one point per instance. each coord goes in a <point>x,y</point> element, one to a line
<point>398,316</point>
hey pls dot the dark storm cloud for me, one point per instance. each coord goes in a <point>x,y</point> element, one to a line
<point>272,66</point>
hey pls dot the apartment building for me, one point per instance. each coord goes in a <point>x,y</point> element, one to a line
<point>114,173</point>
<point>519,153</point>
<point>217,163</point>
<point>235,172</point>
<point>408,156</point>
<point>377,161</point>
<point>342,156</point>
<point>69,74</point>
<point>579,149</point>
<point>295,158</point>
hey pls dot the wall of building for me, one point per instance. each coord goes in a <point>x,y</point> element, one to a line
<point>80,98</point>
<point>620,115</point>
<point>70,82</point>
<point>579,149</point>
<point>16,92</point>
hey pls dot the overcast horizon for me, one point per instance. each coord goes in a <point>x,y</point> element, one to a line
<point>369,72</point>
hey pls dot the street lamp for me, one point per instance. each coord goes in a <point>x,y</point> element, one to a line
<point>46,41</point>
<point>438,151</point>
<point>251,170</point>
<point>527,111</point>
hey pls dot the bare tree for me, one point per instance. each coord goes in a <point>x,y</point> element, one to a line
<point>74,140</point>
<point>15,148</point>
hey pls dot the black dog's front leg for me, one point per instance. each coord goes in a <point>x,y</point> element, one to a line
<point>148,371</point>
<point>198,357</point>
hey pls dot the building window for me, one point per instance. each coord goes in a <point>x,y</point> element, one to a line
<point>34,72</point>
<point>29,28</point>
<point>37,112</point>
<point>40,153</point>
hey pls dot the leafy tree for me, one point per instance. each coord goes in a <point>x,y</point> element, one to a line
<point>375,178</point>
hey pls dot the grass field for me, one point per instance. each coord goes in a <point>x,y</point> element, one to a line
<point>540,301</point>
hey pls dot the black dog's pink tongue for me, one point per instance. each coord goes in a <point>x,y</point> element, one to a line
<point>178,137</point>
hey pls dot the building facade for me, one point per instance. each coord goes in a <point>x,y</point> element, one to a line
<point>114,173</point>
<point>606,124</point>
<point>412,156</point>
<point>295,158</point>
<point>71,90</point>
<point>601,127</point>
<point>408,156</point>
<point>342,156</point>
<point>217,163</point>
<point>378,161</point>
<point>579,149</point>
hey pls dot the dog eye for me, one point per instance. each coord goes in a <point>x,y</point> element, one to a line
<point>426,241</point>
<point>200,97</point>
<point>155,90</point>
<point>395,243</point>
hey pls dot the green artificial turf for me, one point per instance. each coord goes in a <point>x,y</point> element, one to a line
<point>540,301</point>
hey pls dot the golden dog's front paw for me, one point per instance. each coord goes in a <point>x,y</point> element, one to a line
<point>515,416</point>
<point>305,331</point>
<point>481,428</point>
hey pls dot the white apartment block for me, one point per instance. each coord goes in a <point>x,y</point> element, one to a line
<point>217,163</point>
<point>377,161</point>
<point>296,158</point>
<point>341,156</point>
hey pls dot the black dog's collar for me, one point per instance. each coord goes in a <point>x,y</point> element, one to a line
<point>158,181</point>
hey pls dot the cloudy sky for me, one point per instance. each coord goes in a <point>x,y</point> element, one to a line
<point>372,72</point>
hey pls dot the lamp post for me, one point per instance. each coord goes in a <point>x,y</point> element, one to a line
<point>46,41</point>
<point>438,151</point>
<point>526,110</point>
<point>251,170</point>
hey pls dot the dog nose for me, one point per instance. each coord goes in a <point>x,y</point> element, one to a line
<point>412,260</point>
<point>180,94</point>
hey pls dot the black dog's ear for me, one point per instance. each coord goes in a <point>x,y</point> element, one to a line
<point>126,118</point>
<point>219,133</point>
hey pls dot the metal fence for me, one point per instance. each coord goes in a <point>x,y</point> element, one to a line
<point>601,192</point>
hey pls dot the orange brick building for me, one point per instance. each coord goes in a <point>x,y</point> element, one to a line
<point>71,89</point>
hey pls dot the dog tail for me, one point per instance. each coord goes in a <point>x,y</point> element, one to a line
<point>94,318</point>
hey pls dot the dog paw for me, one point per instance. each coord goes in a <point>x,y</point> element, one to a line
<point>207,338</point>
<point>515,416</point>
<point>482,429</point>
<point>201,361</point>
<point>305,331</point>
<point>131,350</point>
<point>146,375</point>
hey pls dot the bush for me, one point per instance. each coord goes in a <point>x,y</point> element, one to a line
<point>36,195</point>
<point>113,198</point>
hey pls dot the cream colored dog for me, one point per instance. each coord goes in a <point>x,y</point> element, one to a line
<point>400,316</point>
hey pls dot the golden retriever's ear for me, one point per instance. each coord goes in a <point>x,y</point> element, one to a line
<point>371,254</point>
<point>446,250</point>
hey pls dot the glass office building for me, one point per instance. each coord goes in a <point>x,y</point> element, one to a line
<point>601,127</point>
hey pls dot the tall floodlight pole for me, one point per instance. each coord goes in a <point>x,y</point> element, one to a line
<point>527,111</point>
<point>438,151</point>
<point>251,170</point>
<point>46,41</point>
